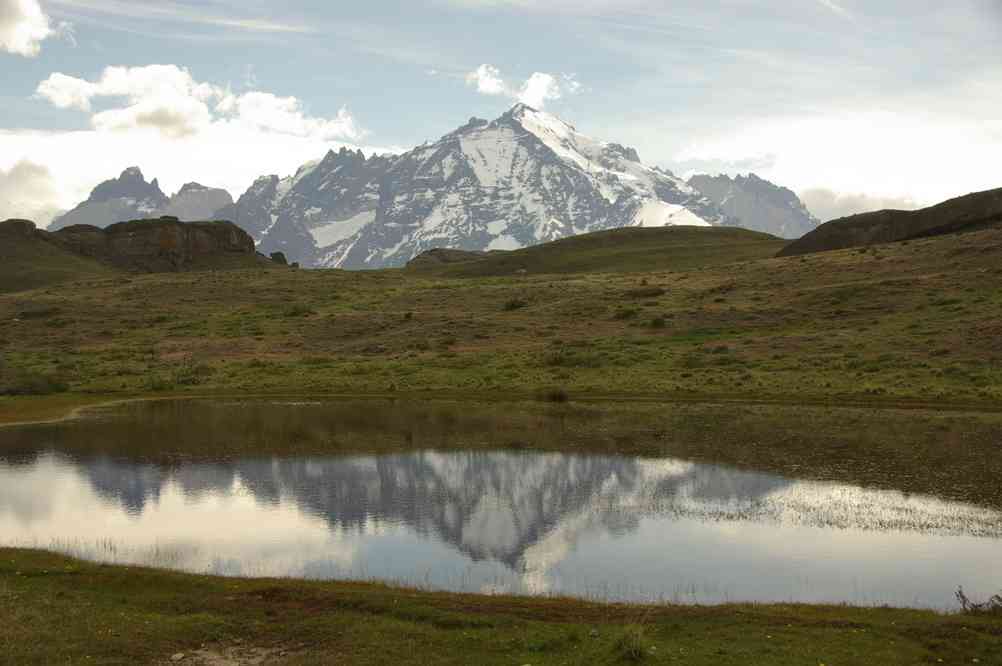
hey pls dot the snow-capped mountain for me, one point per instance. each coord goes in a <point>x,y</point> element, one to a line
<point>130,197</point>
<point>757,204</point>
<point>523,179</point>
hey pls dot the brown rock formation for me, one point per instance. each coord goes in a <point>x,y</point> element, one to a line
<point>158,245</point>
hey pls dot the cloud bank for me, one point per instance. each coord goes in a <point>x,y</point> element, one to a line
<point>828,205</point>
<point>168,99</point>
<point>27,191</point>
<point>172,125</point>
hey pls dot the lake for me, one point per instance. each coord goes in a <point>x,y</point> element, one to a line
<point>513,498</point>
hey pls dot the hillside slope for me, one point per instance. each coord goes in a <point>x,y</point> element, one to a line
<point>617,250</point>
<point>967,213</point>
<point>918,322</point>
<point>29,260</point>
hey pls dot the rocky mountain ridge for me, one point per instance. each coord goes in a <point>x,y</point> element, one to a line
<point>522,179</point>
<point>756,204</point>
<point>130,197</point>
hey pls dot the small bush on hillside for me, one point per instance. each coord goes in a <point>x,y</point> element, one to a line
<point>567,358</point>
<point>297,310</point>
<point>554,395</point>
<point>659,322</point>
<point>26,382</point>
<point>646,292</point>
<point>630,644</point>
<point>514,304</point>
<point>625,313</point>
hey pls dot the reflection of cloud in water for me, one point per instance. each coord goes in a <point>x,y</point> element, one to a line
<point>320,516</point>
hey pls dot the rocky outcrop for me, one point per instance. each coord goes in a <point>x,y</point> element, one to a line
<point>165,244</point>
<point>18,228</point>
<point>967,213</point>
<point>148,246</point>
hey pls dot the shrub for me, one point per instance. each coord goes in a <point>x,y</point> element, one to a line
<point>630,644</point>
<point>26,382</point>
<point>646,292</point>
<point>514,304</point>
<point>566,358</point>
<point>297,310</point>
<point>625,313</point>
<point>659,322</point>
<point>554,395</point>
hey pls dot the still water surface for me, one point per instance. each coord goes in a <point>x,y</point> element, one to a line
<point>493,520</point>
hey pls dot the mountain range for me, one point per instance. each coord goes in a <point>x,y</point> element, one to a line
<point>522,179</point>
<point>130,197</point>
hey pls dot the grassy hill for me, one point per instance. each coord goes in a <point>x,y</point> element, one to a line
<point>915,321</point>
<point>616,250</point>
<point>28,261</point>
<point>972,212</point>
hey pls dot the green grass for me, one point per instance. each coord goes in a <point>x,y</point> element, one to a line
<point>620,250</point>
<point>57,610</point>
<point>30,263</point>
<point>920,324</point>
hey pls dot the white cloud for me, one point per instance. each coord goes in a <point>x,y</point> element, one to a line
<point>174,127</point>
<point>539,89</point>
<point>168,99</point>
<point>536,91</point>
<point>66,92</point>
<point>487,80</point>
<point>27,191</point>
<point>888,155</point>
<point>23,27</point>
<point>828,205</point>
<point>285,115</point>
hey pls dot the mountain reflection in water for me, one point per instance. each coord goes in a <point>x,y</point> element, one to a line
<point>590,525</point>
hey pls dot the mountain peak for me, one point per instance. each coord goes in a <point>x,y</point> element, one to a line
<point>130,184</point>
<point>519,109</point>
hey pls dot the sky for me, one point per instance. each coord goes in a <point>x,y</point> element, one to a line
<point>854,104</point>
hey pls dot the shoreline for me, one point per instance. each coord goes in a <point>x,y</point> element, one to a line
<point>70,406</point>
<point>141,615</point>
